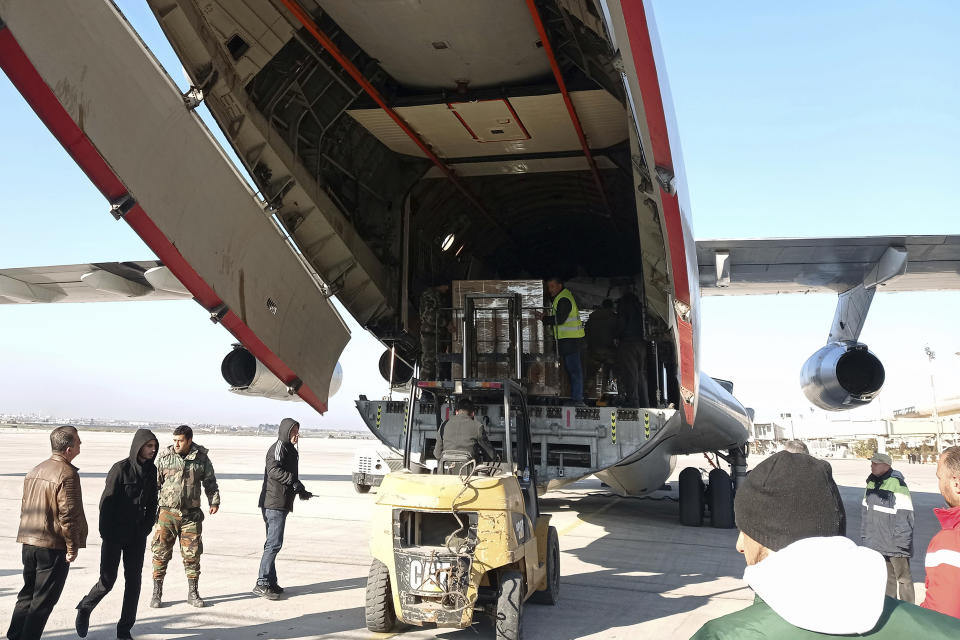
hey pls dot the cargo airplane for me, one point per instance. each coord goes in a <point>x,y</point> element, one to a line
<point>395,145</point>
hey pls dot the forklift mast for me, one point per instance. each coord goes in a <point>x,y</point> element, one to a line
<point>517,441</point>
<point>511,313</point>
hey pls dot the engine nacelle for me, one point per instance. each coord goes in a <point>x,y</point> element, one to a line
<point>402,372</point>
<point>842,376</point>
<point>248,377</point>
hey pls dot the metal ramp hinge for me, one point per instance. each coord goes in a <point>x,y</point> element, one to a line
<point>667,180</point>
<point>218,312</point>
<point>194,97</point>
<point>294,386</point>
<point>121,206</point>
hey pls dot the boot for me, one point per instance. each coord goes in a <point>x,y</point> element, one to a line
<point>157,593</point>
<point>192,596</point>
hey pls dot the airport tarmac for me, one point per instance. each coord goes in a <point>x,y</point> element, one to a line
<point>629,568</point>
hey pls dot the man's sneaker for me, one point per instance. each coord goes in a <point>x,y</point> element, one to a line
<point>276,589</point>
<point>83,621</point>
<point>264,591</point>
<point>124,635</point>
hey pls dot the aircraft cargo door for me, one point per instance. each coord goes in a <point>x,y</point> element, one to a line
<point>107,100</point>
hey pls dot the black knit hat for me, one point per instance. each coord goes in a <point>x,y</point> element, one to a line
<point>789,497</point>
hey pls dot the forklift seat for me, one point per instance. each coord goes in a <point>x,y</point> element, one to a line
<point>451,462</point>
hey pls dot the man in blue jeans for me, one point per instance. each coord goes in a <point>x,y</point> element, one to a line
<point>281,482</point>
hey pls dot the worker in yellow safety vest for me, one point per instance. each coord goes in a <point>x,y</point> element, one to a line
<point>568,330</point>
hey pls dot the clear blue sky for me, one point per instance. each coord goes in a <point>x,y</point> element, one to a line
<point>796,120</point>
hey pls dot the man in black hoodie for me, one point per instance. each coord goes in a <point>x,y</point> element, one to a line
<point>280,482</point>
<point>128,509</point>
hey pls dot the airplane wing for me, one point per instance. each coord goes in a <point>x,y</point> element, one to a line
<point>824,265</point>
<point>91,282</point>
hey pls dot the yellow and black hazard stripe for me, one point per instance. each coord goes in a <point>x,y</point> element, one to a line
<point>646,426</point>
<point>613,426</point>
<point>406,410</point>
<point>379,413</point>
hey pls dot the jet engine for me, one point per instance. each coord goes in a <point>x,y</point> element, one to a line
<point>402,371</point>
<point>842,376</point>
<point>247,376</point>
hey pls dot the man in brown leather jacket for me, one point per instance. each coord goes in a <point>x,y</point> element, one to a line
<point>52,530</point>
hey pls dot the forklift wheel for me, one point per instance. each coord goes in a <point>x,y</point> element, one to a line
<point>551,593</point>
<point>361,488</point>
<point>380,615</point>
<point>509,606</point>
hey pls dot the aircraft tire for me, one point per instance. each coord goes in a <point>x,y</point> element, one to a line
<point>691,497</point>
<point>361,488</point>
<point>551,593</point>
<point>379,613</point>
<point>508,618</point>
<point>721,499</point>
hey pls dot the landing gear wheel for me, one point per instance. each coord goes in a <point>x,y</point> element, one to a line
<point>361,488</point>
<point>551,593</point>
<point>691,497</point>
<point>721,499</point>
<point>379,613</point>
<point>509,606</point>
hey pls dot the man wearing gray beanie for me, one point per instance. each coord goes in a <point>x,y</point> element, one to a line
<point>810,580</point>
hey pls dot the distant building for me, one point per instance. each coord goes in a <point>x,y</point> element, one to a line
<point>768,431</point>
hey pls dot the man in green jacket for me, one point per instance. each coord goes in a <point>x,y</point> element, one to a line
<point>183,469</point>
<point>810,581</point>
<point>886,524</point>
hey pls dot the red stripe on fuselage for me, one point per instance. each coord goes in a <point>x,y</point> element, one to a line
<point>45,104</point>
<point>638,32</point>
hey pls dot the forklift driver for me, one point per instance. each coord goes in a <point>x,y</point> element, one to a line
<point>464,434</point>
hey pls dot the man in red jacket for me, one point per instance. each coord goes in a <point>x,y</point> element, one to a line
<point>943,554</point>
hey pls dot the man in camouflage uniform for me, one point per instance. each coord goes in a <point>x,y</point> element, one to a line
<point>182,468</point>
<point>433,328</point>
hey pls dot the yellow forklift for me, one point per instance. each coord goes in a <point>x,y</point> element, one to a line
<point>465,538</point>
